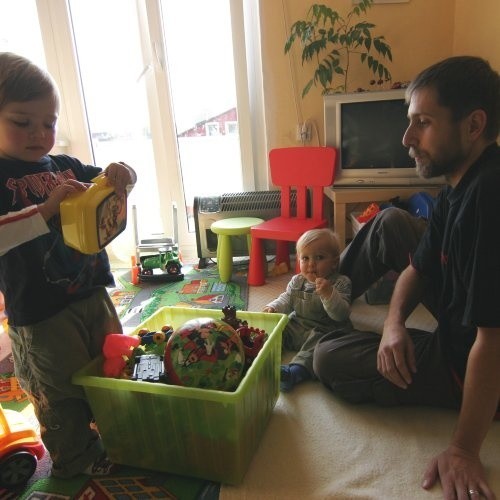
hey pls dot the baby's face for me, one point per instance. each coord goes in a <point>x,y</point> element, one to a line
<point>28,129</point>
<point>317,260</point>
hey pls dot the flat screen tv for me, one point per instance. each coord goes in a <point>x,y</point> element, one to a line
<point>367,129</point>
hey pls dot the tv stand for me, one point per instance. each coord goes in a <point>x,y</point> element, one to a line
<point>342,196</point>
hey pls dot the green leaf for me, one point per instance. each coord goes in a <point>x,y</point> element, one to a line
<point>325,30</point>
<point>307,88</point>
<point>324,74</point>
<point>311,50</point>
<point>333,61</point>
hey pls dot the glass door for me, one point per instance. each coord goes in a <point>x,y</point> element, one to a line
<point>26,41</point>
<point>111,66</point>
<point>199,55</point>
<point>150,83</point>
<point>198,71</point>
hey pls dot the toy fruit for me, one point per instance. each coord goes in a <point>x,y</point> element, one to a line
<point>117,350</point>
<point>205,353</point>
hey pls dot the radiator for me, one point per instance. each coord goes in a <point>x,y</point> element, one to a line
<point>208,209</point>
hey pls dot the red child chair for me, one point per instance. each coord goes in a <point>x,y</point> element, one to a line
<point>302,169</point>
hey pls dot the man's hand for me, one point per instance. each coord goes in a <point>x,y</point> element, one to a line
<point>50,206</point>
<point>396,356</point>
<point>461,474</point>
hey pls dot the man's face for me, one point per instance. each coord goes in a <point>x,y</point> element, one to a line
<point>28,129</point>
<point>434,139</point>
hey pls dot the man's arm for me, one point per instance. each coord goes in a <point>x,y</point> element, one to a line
<point>459,467</point>
<point>396,354</point>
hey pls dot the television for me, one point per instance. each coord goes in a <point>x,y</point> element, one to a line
<point>367,129</point>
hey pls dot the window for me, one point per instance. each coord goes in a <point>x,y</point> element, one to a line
<point>110,67</point>
<point>132,90</point>
<point>231,127</point>
<point>212,129</point>
<point>17,19</point>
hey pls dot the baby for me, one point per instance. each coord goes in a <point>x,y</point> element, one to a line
<point>317,301</point>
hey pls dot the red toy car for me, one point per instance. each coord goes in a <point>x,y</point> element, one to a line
<point>20,449</point>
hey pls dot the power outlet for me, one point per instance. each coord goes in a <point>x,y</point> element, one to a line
<point>303,133</point>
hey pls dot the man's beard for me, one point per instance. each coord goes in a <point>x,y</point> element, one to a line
<point>428,168</point>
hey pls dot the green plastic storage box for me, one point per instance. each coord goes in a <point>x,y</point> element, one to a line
<point>193,432</point>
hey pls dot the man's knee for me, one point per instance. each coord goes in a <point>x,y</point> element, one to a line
<point>397,234</point>
<point>398,222</point>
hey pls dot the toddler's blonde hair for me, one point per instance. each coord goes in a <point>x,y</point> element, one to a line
<point>22,81</point>
<point>318,234</point>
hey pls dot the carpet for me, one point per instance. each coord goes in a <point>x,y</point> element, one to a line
<point>128,484</point>
<point>200,288</point>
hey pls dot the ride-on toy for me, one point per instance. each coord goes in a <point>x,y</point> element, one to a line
<point>156,259</point>
<point>20,449</point>
<point>167,261</point>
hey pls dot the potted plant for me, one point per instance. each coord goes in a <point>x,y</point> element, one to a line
<point>332,40</point>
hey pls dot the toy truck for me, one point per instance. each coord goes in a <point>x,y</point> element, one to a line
<point>160,259</point>
<point>20,449</point>
<point>166,261</point>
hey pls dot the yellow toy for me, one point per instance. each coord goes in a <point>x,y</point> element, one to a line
<point>93,218</point>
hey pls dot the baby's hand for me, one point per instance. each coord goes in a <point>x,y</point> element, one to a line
<point>119,176</point>
<point>50,206</point>
<point>323,288</point>
<point>268,309</point>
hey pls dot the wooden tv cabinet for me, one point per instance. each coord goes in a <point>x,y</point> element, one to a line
<point>342,196</point>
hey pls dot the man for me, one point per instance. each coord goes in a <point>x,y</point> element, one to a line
<point>453,112</point>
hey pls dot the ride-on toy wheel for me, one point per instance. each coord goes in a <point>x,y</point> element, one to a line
<point>17,468</point>
<point>173,268</point>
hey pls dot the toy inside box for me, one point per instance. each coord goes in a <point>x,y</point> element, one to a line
<point>204,433</point>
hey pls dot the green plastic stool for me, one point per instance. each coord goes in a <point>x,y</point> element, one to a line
<point>224,229</point>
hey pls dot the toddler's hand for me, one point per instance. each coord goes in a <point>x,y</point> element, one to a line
<point>323,288</point>
<point>119,176</point>
<point>50,206</point>
<point>268,309</point>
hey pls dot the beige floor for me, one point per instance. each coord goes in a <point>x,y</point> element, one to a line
<point>259,296</point>
<point>363,315</point>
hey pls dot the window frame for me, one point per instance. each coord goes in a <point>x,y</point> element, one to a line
<point>73,130</point>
